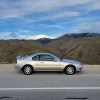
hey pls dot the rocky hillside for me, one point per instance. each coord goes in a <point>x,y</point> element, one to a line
<point>86,50</point>
<point>9,49</point>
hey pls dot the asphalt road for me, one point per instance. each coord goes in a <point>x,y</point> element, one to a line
<point>51,95</point>
<point>15,85</point>
<point>10,78</point>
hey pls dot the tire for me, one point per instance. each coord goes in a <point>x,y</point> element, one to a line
<point>27,70</point>
<point>70,70</point>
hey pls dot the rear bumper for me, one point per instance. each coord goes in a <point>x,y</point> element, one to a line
<point>17,67</point>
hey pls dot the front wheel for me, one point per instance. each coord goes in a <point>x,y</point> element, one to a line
<point>70,70</point>
<point>27,70</point>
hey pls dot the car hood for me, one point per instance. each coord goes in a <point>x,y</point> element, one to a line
<point>70,61</point>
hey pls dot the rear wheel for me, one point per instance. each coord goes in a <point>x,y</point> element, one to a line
<point>27,70</point>
<point>70,70</point>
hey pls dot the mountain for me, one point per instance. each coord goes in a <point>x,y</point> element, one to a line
<point>80,35</point>
<point>44,40</point>
<point>84,47</point>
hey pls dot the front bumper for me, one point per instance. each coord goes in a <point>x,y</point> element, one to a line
<point>79,67</point>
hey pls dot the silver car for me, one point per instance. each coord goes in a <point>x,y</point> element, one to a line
<point>46,62</point>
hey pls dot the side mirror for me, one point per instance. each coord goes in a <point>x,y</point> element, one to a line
<point>55,60</point>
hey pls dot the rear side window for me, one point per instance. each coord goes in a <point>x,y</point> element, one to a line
<point>36,58</point>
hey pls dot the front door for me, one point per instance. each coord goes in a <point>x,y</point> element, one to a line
<point>47,62</point>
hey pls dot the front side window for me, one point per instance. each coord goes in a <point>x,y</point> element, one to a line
<point>45,57</point>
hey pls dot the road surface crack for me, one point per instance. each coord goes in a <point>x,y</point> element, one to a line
<point>5,97</point>
<point>77,98</point>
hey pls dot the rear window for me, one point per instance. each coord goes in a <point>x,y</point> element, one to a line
<point>36,58</point>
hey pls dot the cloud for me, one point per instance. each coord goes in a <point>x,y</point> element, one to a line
<point>8,35</point>
<point>54,26</point>
<point>88,27</point>
<point>49,26</point>
<point>35,37</point>
<point>13,35</point>
<point>28,20</point>
<point>66,14</point>
<point>13,9</point>
<point>21,30</point>
<point>59,15</point>
<point>94,6</point>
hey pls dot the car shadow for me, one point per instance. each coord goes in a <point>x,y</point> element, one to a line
<point>49,72</point>
<point>57,73</point>
<point>80,72</point>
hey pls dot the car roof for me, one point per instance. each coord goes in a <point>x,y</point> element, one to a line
<point>43,53</point>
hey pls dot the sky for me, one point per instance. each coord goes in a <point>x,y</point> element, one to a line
<point>33,19</point>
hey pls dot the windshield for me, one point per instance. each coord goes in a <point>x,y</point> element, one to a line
<point>58,58</point>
